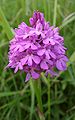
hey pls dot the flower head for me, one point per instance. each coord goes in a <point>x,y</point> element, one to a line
<point>37,48</point>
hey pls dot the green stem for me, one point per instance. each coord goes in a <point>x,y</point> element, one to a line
<point>6,25</point>
<point>38,94</point>
<point>37,89</point>
<point>56,106</point>
<point>47,82</point>
<point>49,101</point>
<point>32,99</point>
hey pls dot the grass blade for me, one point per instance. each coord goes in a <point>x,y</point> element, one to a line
<point>49,10</point>
<point>34,5</point>
<point>55,13</point>
<point>45,8</point>
<point>69,16</point>
<point>5,25</point>
<point>67,21</point>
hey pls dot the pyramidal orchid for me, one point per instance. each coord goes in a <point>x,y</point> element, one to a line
<point>37,48</point>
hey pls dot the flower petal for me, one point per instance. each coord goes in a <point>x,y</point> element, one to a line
<point>65,58</point>
<point>21,49</point>
<point>27,77</point>
<point>46,41</point>
<point>31,20</point>
<point>51,72</point>
<point>38,32</point>
<point>33,47</point>
<point>41,52</point>
<point>52,41</point>
<point>43,35</point>
<point>61,65</point>
<point>49,61</point>
<point>16,69</point>
<point>39,27</point>
<point>16,48</point>
<point>47,55</point>
<point>35,75</point>
<point>27,45</point>
<point>25,36</point>
<point>30,61</point>
<point>36,59</point>
<point>52,55</point>
<point>44,65</point>
<point>20,66</point>
<point>24,60</point>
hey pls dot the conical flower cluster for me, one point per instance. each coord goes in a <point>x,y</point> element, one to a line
<point>37,48</point>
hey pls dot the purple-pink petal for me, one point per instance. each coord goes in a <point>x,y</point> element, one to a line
<point>20,66</point>
<point>30,61</point>
<point>46,41</point>
<point>41,52</point>
<point>27,46</point>
<point>28,76</point>
<point>44,65</point>
<point>16,69</point>
<point>36,59</point>
<point>24,60</point>
<point>39,27</point>
<point>35,75</point>
<point>52,41</point>
<point>60,64</point>
<point>33,47</point>
<point>31,20</point>
<point>47,54</point>
<point>52,55</point>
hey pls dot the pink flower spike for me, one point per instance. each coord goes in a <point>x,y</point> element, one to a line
<point>37,48</point>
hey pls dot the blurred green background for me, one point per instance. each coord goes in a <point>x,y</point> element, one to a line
<point>17,98</point>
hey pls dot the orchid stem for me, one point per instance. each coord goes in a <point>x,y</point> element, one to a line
<point>49,101</point>
<point>56,106</point>
<point>32,100</point>
<point>38,94</point>
<point>37,89</point>
<point>47,82</point>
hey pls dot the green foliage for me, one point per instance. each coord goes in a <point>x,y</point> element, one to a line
<point>17,98</point>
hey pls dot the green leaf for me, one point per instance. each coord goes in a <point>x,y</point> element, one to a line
<point>5,25</point>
